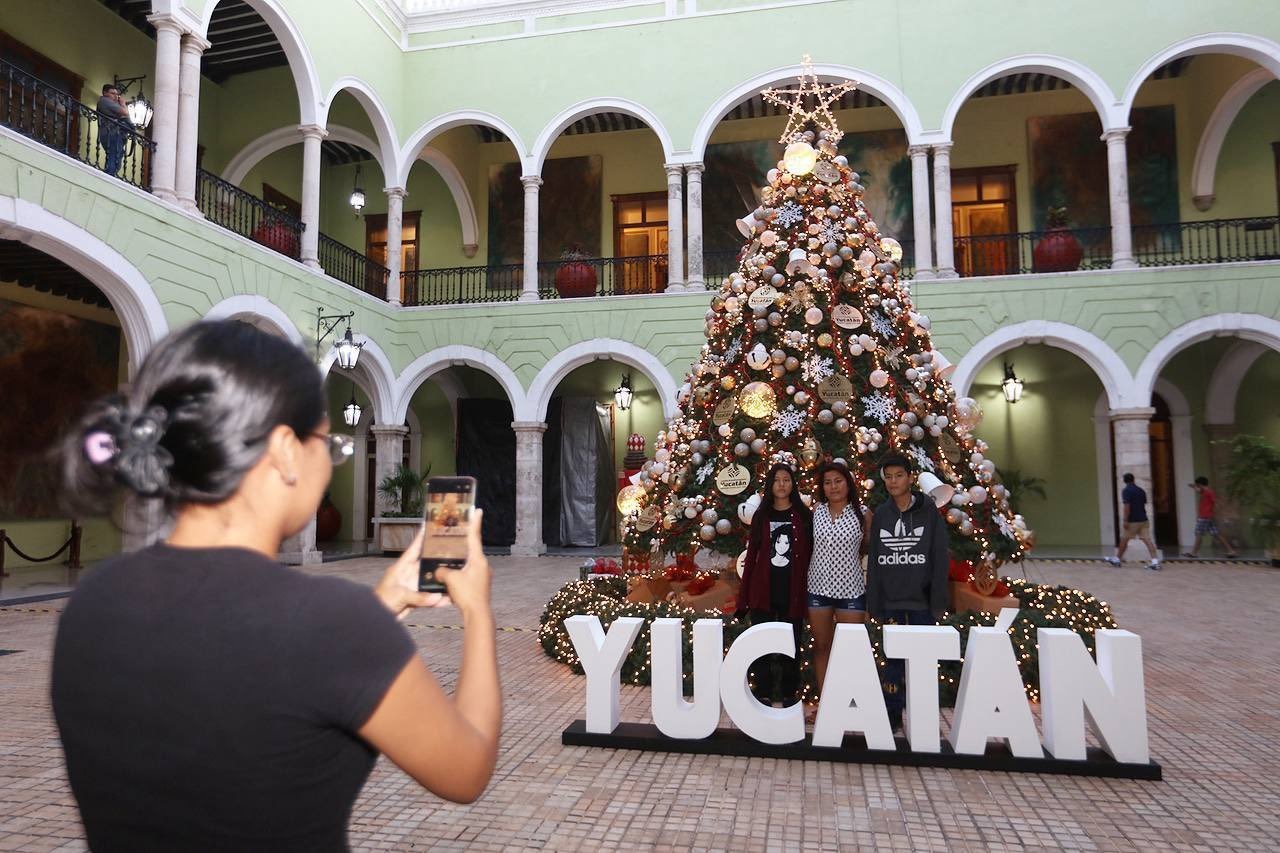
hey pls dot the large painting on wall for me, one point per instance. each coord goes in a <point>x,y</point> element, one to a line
<point>1069,168</point>
<point>51,367</point>
<point>568,209</point>
<point>884,168</point>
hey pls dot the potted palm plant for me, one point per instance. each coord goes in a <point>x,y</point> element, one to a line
<point>575,277</point>
<point>1253,484</point>
<point>405,490</point>
<point>1057,250</point>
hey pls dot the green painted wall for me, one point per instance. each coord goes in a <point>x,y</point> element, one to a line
<point>1048,434</point>
<point>1257,409</point>
<point>598,380</point>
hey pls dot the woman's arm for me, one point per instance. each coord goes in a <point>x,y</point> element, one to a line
<point>449,746</point>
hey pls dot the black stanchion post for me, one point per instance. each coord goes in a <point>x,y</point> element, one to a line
<point>73,555</point>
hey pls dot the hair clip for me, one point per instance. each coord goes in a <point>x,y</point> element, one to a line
<point>100,447</point>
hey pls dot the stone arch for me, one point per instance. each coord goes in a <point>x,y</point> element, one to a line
<point>301,63</point>
<point>1082,77</point>
<point>458,118</point>
<point>383,127</point>
<point>374,366</point>
<point>892,96</point>
<point>142,320</point>
<point>1248,327</point>
<point>1224,384</point>
<point>1255,48</point>
<point>550,133</point>
<point>428,364</point>
<point>258,309</point>
<point>1092,350</point>
<point>565,361</point>
<point>1204,172</point>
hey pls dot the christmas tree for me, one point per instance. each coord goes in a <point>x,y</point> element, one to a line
<point>815,352</point>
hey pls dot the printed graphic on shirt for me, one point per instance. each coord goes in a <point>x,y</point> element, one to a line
<point>781,536</point>
<point>901,541</point>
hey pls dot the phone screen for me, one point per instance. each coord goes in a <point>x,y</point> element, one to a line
<point>447,516</point>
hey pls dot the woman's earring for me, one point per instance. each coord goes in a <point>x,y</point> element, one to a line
<point>291,479</point>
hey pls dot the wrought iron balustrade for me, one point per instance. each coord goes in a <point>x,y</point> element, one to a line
<point>54,118</point>
<point>225,204</point>
<point>347,265</point>
<point>1212,241</point>
<point>568,279</point>
<point>460,285</point>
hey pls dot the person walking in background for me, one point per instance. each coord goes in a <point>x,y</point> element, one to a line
<point>114,126</point>
<point>1136,524</point>
<point>906,568</point>
<point>1206,519</point>
<point>209,698</point>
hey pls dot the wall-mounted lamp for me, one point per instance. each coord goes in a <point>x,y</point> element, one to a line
<point>1012,385</point>
<point>623,395</point>
<point>348,349</point>
<point>140,110</point>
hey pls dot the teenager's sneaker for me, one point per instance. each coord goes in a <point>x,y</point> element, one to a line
<point>1154,565</point>
<point>1115,561</point>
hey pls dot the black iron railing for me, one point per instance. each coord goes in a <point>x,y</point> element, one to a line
<point>349,266</point>
<point>54,118</point>
<point>457,285</point>
<point>1214,241</point>
<point>569,279</point>
<point>227,205</point>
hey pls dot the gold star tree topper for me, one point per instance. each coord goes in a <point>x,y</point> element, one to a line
<point>797,101</point>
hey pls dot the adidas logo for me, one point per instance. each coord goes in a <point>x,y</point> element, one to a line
<point>902,540</point>
<point>897,558</point>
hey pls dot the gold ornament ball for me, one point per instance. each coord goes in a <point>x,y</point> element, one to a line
<point>728,383</point>
<point>758,400</point>
<point>824,340</point>
<point>629,500</point>
<point>892,248</point>
<point>809,453</point>
<point>800,158</point>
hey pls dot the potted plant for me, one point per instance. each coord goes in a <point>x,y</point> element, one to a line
<point>328,520</point>
<point>1057,250</point>
<point>405,489</point>
<point>1253,484</point>
<point>275,233</point>
<point>575,277</point>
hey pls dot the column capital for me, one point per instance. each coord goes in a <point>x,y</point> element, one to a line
<point>192,43</point>
<point>942,149</point>
<point>1136,413</point>
<point>527,427</point>
<point>694,168</point>
<point>395,192</point>
<point>673,170</point>
<point>1114,134</point>
<point>167,21</point>
<point>918,150</point>
<point>531,182</point>
<point>312,130</point>
<point>380,430</point>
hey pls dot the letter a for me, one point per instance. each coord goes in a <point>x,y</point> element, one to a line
<point>992,701</point>
<point>852,700</point>
<point>602,657</point>
<point>674,716</point>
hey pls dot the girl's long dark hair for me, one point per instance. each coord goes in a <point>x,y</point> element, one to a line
<point>761,517</point>
<point>194,421</point>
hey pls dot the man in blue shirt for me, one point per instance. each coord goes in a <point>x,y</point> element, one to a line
<point>1136,524</point>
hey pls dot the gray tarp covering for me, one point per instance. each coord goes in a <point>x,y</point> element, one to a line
<point>586,473</point>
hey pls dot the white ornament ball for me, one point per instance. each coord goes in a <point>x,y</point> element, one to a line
<point>709,516</point>
<point>978,495</point>
<point>723,526</point>
<point>691,512</point>
<point>724,430</point>
<point>813,316</point>
<point>741,449</point>
<point>758,446</point>
<point>707,532</point>
<point>917,433</point>
<point>879,378</point>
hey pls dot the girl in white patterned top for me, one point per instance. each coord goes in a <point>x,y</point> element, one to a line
<point>837,580</point>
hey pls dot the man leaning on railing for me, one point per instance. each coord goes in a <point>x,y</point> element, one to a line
<point>114,125</point>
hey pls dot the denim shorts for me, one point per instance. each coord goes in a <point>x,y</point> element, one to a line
<point>826,601</point>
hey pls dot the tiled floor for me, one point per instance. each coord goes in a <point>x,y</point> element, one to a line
<point>1212,671</point>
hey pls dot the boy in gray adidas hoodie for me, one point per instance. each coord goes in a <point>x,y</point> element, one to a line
<point>906,567</point>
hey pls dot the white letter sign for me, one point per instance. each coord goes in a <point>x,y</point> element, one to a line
<point>672,714</point>
<point>1110,695</point>
<point>762,723</point>
<point>852,701</point>
<point>922,646</point>
<point>602,658</point>
<point>992,703</point>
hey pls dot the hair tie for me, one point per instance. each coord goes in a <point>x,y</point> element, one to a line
<point>100,447</point>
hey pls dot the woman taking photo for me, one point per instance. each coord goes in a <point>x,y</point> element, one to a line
<point>208,697</point>
<point>837,580</point>
<point>773,578</point>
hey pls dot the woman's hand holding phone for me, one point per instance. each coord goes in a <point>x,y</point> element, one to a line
<point>398,588</point>
<point>469,586</point>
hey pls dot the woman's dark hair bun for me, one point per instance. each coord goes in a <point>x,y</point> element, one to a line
<point>194,420</point>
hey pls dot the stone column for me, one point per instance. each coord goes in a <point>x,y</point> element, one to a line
<point>1132,436</point>
<point>395,230</point>
<point>193,47</point>
<point>529,283</point>
<point>675,227</point>
<point>1118,184</point>
<point>528,488</point>
<point>923,228</point>
<point>300,548</point>
<point>389,441</point>
<point>946,264</point>
<point>312,136</point>
<point>164,121</point>
<point>697,279</point>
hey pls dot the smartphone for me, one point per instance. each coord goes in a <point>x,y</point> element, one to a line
<point>450,501</point>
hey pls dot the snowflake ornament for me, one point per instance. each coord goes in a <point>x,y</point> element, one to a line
<point>879,406</point>
<point>786,423</point>
<point>734,350</point>
<point>922,459</point>
<point>1005,527</point>
<point>894,357</point>
<point>704,472</point>
<point>831,232</point>
<point>817,368</point>
<point>789,214</point>
<point>883,326</point>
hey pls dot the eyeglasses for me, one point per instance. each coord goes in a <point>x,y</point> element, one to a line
<point>341,447</point>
